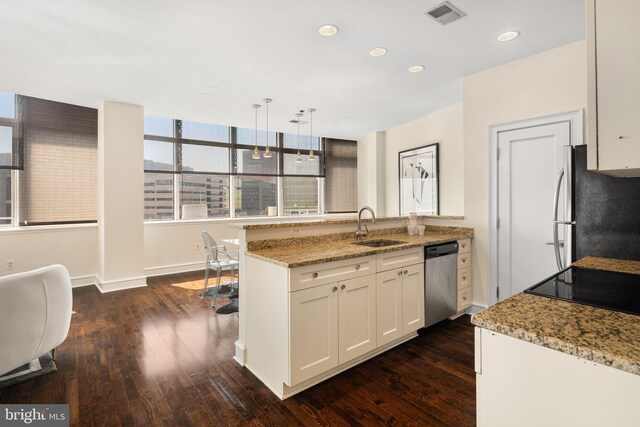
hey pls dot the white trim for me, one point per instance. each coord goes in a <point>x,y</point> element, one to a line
<point>252,219</point>
<point>241,353</point>
<point>575,118</point>
<point>47,228</point>
<point>121,284</point>
<point>80,281</point>
<point>174,268</point>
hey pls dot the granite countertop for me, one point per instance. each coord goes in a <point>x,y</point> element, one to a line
<point>284,222</point>
<point>602,336</point>
<point>318,249</point>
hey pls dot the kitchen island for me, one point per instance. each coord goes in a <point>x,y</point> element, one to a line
<point>318,304</point>
<point>543,361</point>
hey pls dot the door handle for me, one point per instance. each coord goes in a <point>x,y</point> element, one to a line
<point>560,243</point>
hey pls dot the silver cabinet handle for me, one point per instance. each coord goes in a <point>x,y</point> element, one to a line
<point>406,272</point>
<point>335,289</point>
<point>315,275</point>
<point>400,273</point>
<point>357,266</point>
<point>343,286</point>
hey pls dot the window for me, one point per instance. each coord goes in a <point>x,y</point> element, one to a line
<point>59,181</point>
<point>6,197</point>
<point>48,162</point>
<point>341,176</point>
<point>212,172</point>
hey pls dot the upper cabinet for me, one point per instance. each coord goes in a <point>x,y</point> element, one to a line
<point>613,126</point>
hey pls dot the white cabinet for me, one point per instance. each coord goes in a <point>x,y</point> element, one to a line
<point>412,298</point>
<point>613,128</point>
<point>523,384</point>
<point>389,306</point>
<point>331,324</point>
<point>400,293</point>
<point>314,333</point>
<point>327,317</point>
<point>357,317</point>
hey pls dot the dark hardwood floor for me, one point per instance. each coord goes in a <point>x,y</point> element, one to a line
<point>161,356</point>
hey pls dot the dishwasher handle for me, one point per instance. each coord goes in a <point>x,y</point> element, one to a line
<point>440,250</point>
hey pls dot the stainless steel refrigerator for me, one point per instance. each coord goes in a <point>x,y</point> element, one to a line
<point>601,212</point>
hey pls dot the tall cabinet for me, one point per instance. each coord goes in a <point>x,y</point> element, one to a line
<point>613,125</point>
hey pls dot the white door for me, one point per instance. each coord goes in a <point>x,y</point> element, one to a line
<point>314,331</point>
<point>389,303</point>
<point>412,298</point>
<point>357,317</point>
<point>529,162</point>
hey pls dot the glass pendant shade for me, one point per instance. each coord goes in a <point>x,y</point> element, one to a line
<point>267,153</point>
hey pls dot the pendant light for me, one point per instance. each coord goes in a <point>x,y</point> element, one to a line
<point>298,156</point>
<point>312,156</point>
<point>256,152</point>
<point>267,151</point>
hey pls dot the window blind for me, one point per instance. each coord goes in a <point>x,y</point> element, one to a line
<point>59,180</point>
<point>341,169</point>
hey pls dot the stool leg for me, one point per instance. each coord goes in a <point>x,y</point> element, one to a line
<point>215,298</point>
<point>206,281</point>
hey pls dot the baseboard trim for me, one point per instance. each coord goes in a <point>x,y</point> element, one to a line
<point>241,353</point>
<point>122,284</point>
<point>80,281</point>
<point>173,269</point>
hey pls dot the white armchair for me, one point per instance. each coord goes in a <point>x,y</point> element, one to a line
<point>35,313</point>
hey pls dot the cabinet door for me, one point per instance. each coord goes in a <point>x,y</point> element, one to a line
<point>313,347</point>
<point>618,86</point>
<point>357,317</point>
<point>412,298</point>
<point>389,306</point>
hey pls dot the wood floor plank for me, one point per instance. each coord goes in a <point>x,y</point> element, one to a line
<point>161,356</point>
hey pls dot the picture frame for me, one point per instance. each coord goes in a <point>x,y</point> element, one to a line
<point>419,176</point>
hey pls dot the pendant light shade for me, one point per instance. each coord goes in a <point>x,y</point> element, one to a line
<point>312,156</point>
<point>256,152</point>
<point>267,152</point>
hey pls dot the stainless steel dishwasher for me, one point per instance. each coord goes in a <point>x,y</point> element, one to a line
<point>440,282</point>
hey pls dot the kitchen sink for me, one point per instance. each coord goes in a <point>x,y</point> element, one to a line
<point>378,243</point>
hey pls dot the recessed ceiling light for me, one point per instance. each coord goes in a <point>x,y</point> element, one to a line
<point>328,30</point>
<point>214,88</point>
<point>204,94</point>
<point>378,51</point>
<point>508,36</point>
<point>416,68</point>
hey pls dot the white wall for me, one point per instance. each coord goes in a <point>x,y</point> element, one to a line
<point>75,247</point>
<point>443,127</point>
<point>551,82</point>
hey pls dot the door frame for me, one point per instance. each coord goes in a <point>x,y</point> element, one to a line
<point>575,118</point>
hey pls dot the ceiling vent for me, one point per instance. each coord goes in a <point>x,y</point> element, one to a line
<point>445,13</point>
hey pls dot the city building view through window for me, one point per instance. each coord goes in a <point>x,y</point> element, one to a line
<point>198,170</point>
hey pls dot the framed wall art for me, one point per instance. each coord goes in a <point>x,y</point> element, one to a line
<point>419,190</point>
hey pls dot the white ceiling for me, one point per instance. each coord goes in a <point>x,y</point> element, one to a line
<point>163,54</point>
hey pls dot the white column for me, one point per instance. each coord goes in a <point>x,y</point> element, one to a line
<point>120,197</point>
<point>371,170</point>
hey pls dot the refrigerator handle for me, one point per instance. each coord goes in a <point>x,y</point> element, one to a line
<point>556,223</point>
<point>569,218</point>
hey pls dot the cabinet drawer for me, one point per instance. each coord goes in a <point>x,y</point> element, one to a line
<point>389,260</point>
<point>464,298</point>
<point>464,278</point>
<point>319,274</point>
<point>464,261</point>
<point>464,246</point>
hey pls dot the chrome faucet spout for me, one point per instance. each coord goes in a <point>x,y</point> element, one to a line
<point>363,233</point>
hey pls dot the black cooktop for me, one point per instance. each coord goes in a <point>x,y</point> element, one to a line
<point>605,289</point>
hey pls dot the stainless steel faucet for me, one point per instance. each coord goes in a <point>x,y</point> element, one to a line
<point>359,232</point>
